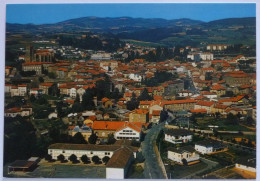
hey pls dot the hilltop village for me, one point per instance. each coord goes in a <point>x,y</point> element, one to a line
<point>190,112</point>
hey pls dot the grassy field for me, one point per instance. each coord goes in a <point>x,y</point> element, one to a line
<point>62,171</point>
<point>204,122</point>
<point>179,171</point>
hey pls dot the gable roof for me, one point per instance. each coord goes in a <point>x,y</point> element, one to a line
<point>120,158</point>
<point>137,126</point>
<point>107,125</point>
<point>205,103</point>
<point>217,87</point>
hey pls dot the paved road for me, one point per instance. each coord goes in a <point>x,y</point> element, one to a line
<point>151,166</point>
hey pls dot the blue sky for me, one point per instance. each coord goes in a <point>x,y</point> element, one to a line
<point>52,13</point>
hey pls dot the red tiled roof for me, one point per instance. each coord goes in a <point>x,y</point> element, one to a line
<point>198,110</point>
<point>46,84</point>
<point>156,113</point>
<point>199,97</point>
<point>33,63</point>
<point>180,101</point>
<point>245,86</point>
<point>105,99</point>
<point>205,103</point>
<point>137,126</point>
<point>140,111</point>
<point>217,87</point>
<point>63,69</point>
<point>107,125</point>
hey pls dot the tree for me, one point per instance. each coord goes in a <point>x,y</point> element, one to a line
<point>51,75</point>
<point>76,107</point>
<point>139,157</point>
<point>96,159</point>
<point>105,159</point>
<point>41,80</point>
<point>184,161</point>
<point>111,139</point>
<point>78,139</point>
<point>163,116</point>
<point>77,99</point>
<point>32,98</point>
<point>249,120</point>
<point>54,90</point>
<point>59,106</point>
<point>73,158</point>
<point>48,157</point>
<point>42,101</point>
<point>145,96</point>
<point>103,88</point>
<point>133,103</point>
<point>84,159</point>
<point>61,158</point>
<point>87,100</point>
<point>93,138</point>
<point>231,119</point>
<point>135,143</point>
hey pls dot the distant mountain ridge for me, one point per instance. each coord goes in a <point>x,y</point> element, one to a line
<point>157,30</point>
<point>247,21</point>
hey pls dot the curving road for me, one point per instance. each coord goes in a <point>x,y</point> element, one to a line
<point>152,167</point>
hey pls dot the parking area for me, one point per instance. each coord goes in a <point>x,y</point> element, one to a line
<point>62,171</point>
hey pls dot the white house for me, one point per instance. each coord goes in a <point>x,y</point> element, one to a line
<point>206,56</point>
<point>131,130</point>
<point>14,91</point>
<point>155,107</point>
<point>119,164</point>
<point>67,149</point>
<point>246,164</point>
<point>135,77</point>
<point>186,152</point>
<point>73,92</point>
<point>35,91</point>
<point>52,115</point>
<point>80,92</point>
<point>8,88</point>
<point>208,146</point>
<point>185,93</point>
<point>177,136</point>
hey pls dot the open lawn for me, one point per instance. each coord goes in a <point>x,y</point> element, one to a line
<point>63,171</point>
<point>204,122</point>
<point>179,171</point>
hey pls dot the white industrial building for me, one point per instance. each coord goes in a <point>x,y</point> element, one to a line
<point>177,136</point>
<point>209,146</point>
<point>180,153</point>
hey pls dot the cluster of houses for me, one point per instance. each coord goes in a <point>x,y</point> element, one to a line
<point>221,87</point>
<point>189,155</point>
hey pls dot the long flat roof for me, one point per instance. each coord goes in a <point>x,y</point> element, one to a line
<point>68,146</point>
